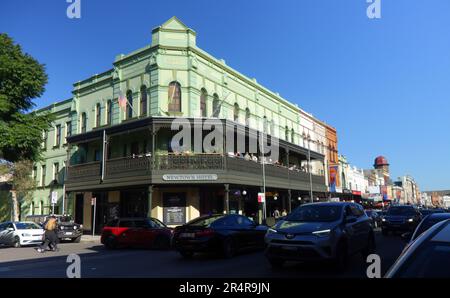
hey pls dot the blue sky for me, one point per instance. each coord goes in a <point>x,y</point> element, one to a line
<point>384,84</point>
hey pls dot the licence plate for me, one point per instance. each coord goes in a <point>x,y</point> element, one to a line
<point>290,248</point>
<point>187,235</point>
<point>68,233</point>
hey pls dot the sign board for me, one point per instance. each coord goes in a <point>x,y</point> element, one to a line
<point>93,201</point>
<point>174,208</point>
<point>190,177</point>
<point>261,197</point>
<point>54,197</point>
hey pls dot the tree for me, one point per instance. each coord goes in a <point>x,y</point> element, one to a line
<point>22,79</point>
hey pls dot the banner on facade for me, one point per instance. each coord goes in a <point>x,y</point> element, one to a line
<point>333,170</point>
<point>261,197</point>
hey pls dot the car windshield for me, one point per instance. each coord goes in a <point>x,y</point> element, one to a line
<point>65,218</point>
<point>401,211</point>
<point>27,226</point>
<point>315,213</point>
<point>204,221</point>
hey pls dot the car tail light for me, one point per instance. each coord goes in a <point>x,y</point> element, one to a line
<point>204,233</point>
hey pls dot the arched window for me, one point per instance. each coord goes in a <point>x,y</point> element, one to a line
<point>129,104</point>
<point>236,112</point>
<point>265,124</point>
<point>98,115</point>
<point>292,135</point>
<point>109,112</point>
<point>216,106</point>
<point>247,116</point>
<point>203,97</point>
<point>286,133</point>
<point>83,123</point>
<point>143,100</point>
<point>174,97</point>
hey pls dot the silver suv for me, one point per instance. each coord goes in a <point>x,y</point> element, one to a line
<point>320,231</point>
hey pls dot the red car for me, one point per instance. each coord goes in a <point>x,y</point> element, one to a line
<point>136,232</point>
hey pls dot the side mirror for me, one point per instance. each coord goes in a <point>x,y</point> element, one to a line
<point>10,229</point>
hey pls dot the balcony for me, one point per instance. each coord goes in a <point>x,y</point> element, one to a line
<point>144,170</point>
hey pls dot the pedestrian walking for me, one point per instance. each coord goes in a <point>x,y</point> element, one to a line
<point>284,212</point>
<point>50,236</point>
<point>276,213</point>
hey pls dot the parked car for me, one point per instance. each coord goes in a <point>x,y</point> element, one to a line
<point>427,256</point>
<point>320,231</point>
<point>136,232</point>
<point>21,233</point>
<point>225,234</point>
<point>68,229</point>
<point>400,218</point>
<point>375,217</point>
<point>426,223</point>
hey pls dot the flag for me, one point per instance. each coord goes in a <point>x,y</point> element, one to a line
<point>122,101</point>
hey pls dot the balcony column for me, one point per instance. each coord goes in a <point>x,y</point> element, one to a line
<point>150,200</point>
<point>289,197</point>
<point>226,208</point>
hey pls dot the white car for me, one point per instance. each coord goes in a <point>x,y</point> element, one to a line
<point>20,233</point>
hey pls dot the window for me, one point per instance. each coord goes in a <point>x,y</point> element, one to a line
<point>34,173</point>
<point>43,175</point>
<point>247,116</point>
<point>44,139</point>
<point>68,129</point>
<point>58,135</point>
<point>32,208</point>
<point>55,171</point>
<point>98,115</point>
<point>286,133</point>
<point>129,104</point>
<point>236,112</point>
<point>265,124</point>
<point>292,135</point>
<point>83,122</point>
<point>216,106</point>
<point>124,150</point>
<point>272,127</point>
<point>174,99</point>
<point>109,112</point>
<point>97,155</point>
<point>203,98</point>
<point>143,100</point>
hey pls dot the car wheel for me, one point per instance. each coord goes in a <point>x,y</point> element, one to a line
<point>228,249</point>
<point>186,254</point>
<point>16,242</point>
<point>340,262</point>
<point>76,240</point>
<point>110,242</point>
<point>370,248</point>
<point>161,242</point>
<point>276,263</point>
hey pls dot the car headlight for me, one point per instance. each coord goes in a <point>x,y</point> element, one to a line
<point>270,231</point>
<point>26,235</point>
<point>411,220</point>
<point>383,219</point>
<point>322,233</point>
<point>74,227</point>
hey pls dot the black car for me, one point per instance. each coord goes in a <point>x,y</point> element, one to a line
<point>426,212</point>
<point>428,222</point>
<point>400,218</point>
<point>225,234</point>
<point>67,228</point>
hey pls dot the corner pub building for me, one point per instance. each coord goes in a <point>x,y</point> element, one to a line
<point>122,156</point>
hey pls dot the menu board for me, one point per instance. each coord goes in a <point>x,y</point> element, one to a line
<point>174,208</point>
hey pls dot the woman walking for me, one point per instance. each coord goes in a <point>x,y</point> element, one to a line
<point>50,236</point>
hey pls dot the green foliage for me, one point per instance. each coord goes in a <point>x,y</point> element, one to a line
<point>22,181</point>
<point>22,78</point>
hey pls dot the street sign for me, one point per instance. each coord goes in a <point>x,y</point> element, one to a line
<point>261,197</point>
<point>54,197</point>
<point>93,201</point>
